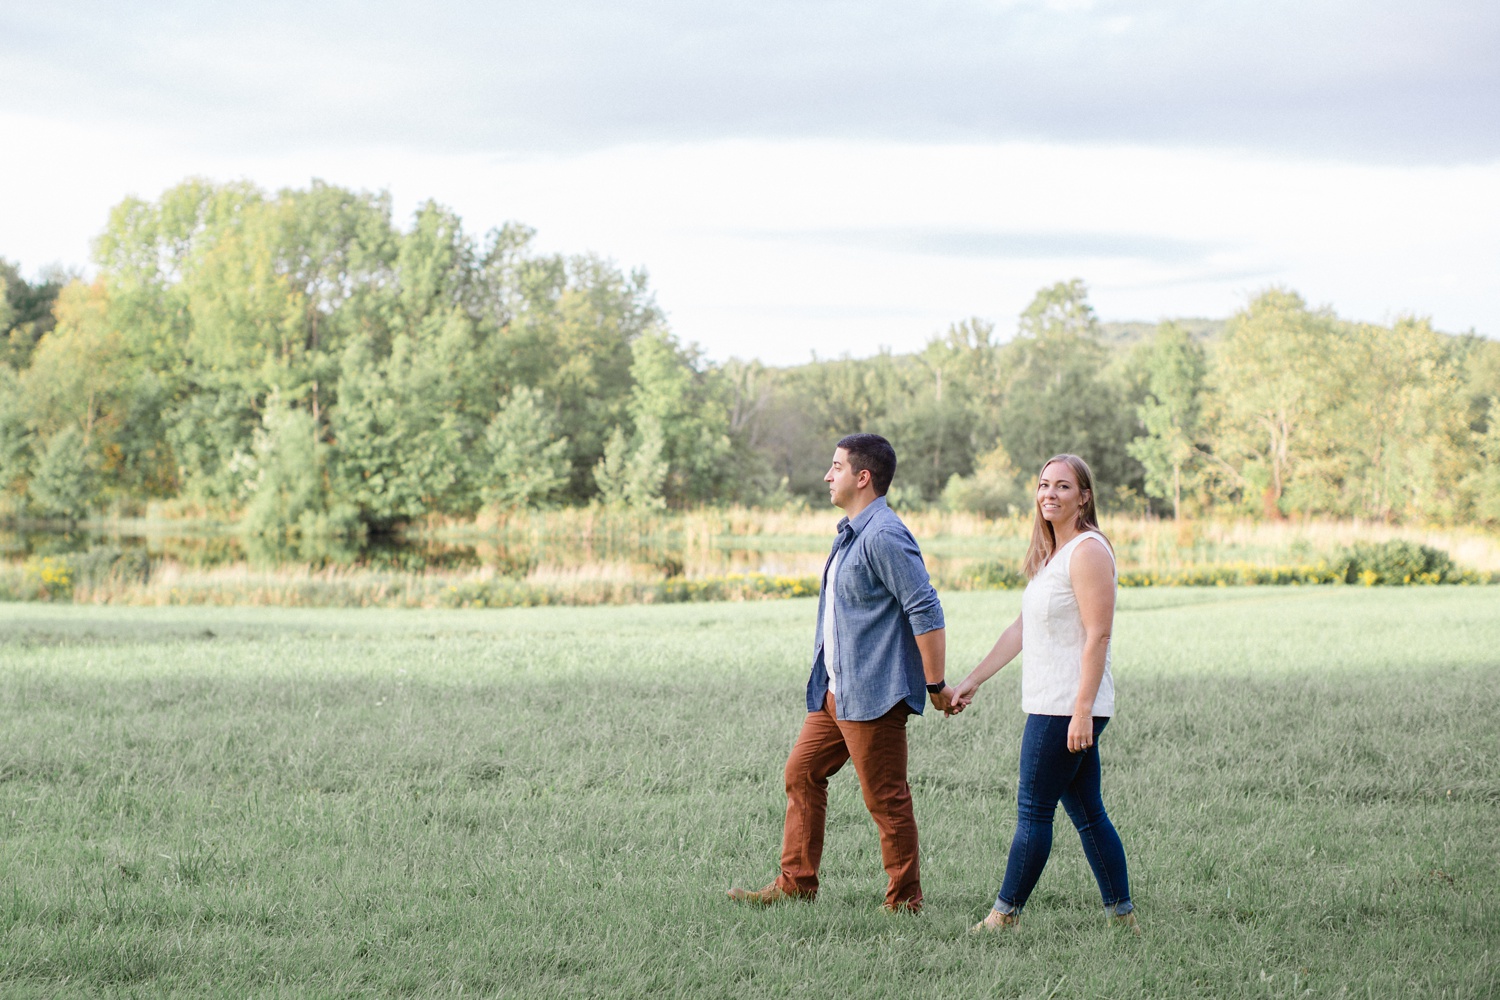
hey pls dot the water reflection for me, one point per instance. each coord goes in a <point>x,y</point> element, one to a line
<point>220,549</point>
<point>517,557</point>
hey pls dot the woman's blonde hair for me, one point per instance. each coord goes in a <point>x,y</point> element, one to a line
<point>1043,540</point>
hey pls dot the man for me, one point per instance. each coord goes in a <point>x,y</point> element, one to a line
<point>878,655</point>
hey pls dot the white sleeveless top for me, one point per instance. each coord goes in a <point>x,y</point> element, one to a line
<point>1052,641</point>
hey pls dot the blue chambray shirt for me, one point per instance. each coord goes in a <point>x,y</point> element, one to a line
<point>885,600</point>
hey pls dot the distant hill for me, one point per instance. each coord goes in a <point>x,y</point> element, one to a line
<point>1127,333</point>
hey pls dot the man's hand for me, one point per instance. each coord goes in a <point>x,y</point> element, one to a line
<point>943,700</point>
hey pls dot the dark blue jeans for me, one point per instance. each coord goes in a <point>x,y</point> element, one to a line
<point>1049,775</point>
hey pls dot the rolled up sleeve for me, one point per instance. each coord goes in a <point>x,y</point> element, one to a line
<point>898,561</point>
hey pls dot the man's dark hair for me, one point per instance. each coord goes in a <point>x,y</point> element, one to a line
<point>872,452</point>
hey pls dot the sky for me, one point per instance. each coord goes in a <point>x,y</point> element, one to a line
<point>809,178</point>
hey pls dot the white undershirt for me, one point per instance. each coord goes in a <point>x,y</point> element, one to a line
<point>829,641</point>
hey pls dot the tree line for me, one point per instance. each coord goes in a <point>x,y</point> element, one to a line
<point>299,362</point>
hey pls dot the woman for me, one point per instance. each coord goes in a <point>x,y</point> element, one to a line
<point>1066,691</point>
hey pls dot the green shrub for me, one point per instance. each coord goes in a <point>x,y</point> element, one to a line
<point>502,593</point>
<point>995,575</point>
<point>63,485</point>
<point>47,578</point>
<point>109,564</point>
<point>1397,562</point>
<point>1233,575</point>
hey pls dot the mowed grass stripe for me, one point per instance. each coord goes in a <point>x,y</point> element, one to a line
<point>550,802</point>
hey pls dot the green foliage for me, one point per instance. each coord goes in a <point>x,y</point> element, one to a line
<point>569,335</point>
<point>1061,310</point>
<point>730,587</point>
<point>110,563</point>
<point>63,485</point>
<point>1394,423</point>
<point>15,437</point>
<point>1277,376</point>
<point>1481,481</point>
<point>370,428</point>
<point>995,489</point>
<point>681,426</point>
<point>25,312</point>
<point>528,462</point>
<point>211,434</point>
<point>290,494</point>
<point>57,577</point>
<point>993,575</point>
<point>1392,563</point>
<point>413,352</point>
<point>45,578</point>
<point>1175,367</point>
<point>631,476</point>
<point>1397,562</point>
<point>1059,397</point>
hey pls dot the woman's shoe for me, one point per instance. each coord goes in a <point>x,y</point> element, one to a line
<point>1127,920</point>
<point>997,921</point>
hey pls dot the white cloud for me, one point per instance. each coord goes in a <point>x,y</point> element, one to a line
<point>1382,80</point>
<point>823,175</point>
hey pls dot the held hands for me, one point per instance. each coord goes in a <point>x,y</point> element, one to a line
<point>943,700</point>
<point>958,697</point>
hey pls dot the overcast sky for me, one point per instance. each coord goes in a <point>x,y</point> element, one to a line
<point>808,176</point>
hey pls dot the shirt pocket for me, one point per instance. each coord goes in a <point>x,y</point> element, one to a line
<point>854,578</point>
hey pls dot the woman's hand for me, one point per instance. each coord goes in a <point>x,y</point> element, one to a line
<point>1080,732</point>
<point>963,694</point>
<point>1005,650</point>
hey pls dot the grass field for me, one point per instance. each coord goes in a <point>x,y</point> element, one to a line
<point>551,802</point>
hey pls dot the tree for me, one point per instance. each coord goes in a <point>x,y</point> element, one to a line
<point>1481,479</point>
<point>85,373</point>
<point>528,462</point>
<point>210,433</point>
<point>25,311</point>
<point>63,485</point>
<point>671,400</point>
<point>290,495</point>
<point>1275,379</point>
<point>1061,310</point>
<point>632,476</point>
<point>76,369</point>
<point>1058,398</point>
<point>1175,367</point>
<point>996,488</point>
<point>570,337</point>
<point>1475,453</point>
<point>403,447</point>
<point>15,436</point>
<point>1395,417</point>
<point>944,416</point>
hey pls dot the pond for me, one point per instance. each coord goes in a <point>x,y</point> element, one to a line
<point>516,556</point>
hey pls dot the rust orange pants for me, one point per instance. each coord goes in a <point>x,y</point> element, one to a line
<point>878,750</point>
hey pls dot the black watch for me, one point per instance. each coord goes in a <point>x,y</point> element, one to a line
<point>937,688</point>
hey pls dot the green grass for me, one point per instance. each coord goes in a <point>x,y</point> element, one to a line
<point>550,803</point>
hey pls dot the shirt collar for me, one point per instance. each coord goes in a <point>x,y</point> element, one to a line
<point>858,524</point>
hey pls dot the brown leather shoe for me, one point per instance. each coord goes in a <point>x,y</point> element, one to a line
<point>912,906</point>
<point>1127,920</point>
<point>772,893</point>
<point>997,921</point>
